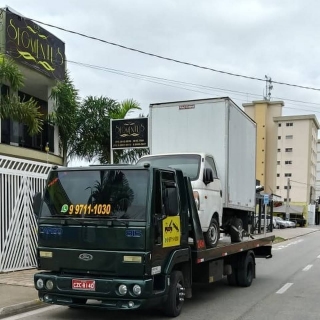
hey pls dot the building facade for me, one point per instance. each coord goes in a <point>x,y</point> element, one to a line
<point>41,59</point>
<point>297,158</point>
<point>263,113</point>
<point>286,152</point>
<point>25,160</point>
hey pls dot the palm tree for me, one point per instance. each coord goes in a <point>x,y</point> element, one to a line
<point>10,104</point>
<point>92,138</point>
<point>66,99</point>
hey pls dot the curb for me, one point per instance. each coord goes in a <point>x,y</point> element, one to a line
<point>21,307</point>
<point>300,235</point>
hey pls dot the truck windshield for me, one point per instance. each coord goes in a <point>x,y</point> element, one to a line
<point>188,163</point>
<point>115,194</point>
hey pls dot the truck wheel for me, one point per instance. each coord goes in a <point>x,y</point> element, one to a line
<point>246,272</point>
<point>213,234</point>
<point>174,303</point>
<point>236,230</point>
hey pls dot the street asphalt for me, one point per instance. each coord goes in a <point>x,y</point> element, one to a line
<point>17,294</point>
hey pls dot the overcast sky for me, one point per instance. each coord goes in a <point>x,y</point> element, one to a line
<point>279,39</point>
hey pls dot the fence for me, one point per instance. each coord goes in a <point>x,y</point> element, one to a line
<point>19,181</point>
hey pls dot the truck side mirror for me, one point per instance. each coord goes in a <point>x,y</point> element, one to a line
<point>207,176</point>
<point>36,203</point>
<point>171,202</point>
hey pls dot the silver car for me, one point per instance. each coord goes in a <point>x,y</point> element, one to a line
<point>280,223</point>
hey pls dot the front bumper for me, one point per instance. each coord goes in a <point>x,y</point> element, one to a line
<point>105,295</point>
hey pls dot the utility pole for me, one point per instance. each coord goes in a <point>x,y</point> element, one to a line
<point>287,202</point>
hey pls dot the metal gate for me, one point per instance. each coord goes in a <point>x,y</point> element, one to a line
<point>19,181</point>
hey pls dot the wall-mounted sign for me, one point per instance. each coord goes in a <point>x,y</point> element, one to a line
<point>30,44</point>
<point>129,133</point>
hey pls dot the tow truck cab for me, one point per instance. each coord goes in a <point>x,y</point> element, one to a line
<point>112,234</point>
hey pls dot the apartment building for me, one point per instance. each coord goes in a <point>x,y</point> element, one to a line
<point>263,112</point>
<point>318,171</point>
<point>297,158</point>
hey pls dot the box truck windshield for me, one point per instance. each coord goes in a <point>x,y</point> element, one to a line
<point>188,163</point>
<point>96,194</point>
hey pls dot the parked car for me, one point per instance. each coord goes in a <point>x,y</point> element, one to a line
<point>268,222</point>
<point>280,223</point>
<point>291,224</point>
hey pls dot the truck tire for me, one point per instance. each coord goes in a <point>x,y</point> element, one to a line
<point>212,236</point>
<point>245,273</point>
<point>232,278</point>
<point>236,230</point>
<point>174,303</point>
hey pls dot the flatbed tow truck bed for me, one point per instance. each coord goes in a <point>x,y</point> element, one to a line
<point>260,245</point>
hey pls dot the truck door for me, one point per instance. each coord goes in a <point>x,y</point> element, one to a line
<point>166,221</point>
<point>213,195</point>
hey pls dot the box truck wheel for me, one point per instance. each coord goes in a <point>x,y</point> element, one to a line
<point>236,230</point>
<point>174,303</point>
<point>213,234</point>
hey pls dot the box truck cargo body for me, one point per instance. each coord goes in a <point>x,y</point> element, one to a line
<point>215,128</point>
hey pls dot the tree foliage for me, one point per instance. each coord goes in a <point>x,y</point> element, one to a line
<point>64,115</point>
<point>11,106</point>
<point>92,139</point>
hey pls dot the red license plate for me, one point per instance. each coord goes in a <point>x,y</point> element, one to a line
<point>79,284</point>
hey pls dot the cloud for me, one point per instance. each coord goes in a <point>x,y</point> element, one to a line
<point>254,38</point>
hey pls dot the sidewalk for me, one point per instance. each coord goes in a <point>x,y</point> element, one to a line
<point>17,292</point>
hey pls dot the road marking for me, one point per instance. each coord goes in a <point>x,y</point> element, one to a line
<point>283,246</point>
<point>31,313</point>
<point>283,289</point>
<point>308,267</point>
<point>318,256</point>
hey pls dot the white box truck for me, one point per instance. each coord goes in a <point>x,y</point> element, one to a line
<point>214,143</point>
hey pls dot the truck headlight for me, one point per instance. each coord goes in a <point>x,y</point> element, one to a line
<point>123,289</point>
<point>136,290</point>
<point>196,199</point>
<point>39,284</point>
<point>49,284</point>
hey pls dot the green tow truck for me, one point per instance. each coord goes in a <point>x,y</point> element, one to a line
<point>126,237</point>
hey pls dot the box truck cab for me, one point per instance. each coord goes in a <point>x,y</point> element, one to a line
<point>206,185</point>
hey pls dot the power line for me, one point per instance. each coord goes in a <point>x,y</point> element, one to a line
<point>146,77</point>
<point>170,59</point>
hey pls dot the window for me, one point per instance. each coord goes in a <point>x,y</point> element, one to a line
<point>287,174</point>
<point>290,136</point>
<point>210,164</point>
<point>288,149</point>
<point>288,162</point>
<point>279,137</point>
<point>278,174</point>
<point>286,187</point>
<point>279,124</point>
<point>289,124</point>
<point>278,162</point>
<point>279,150</point>
<point>278,187</point>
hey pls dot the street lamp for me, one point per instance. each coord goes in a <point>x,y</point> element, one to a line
<point>47,151</point>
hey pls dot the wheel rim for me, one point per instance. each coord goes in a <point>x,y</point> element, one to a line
<point>213,232</point>
<point>179,295</point>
